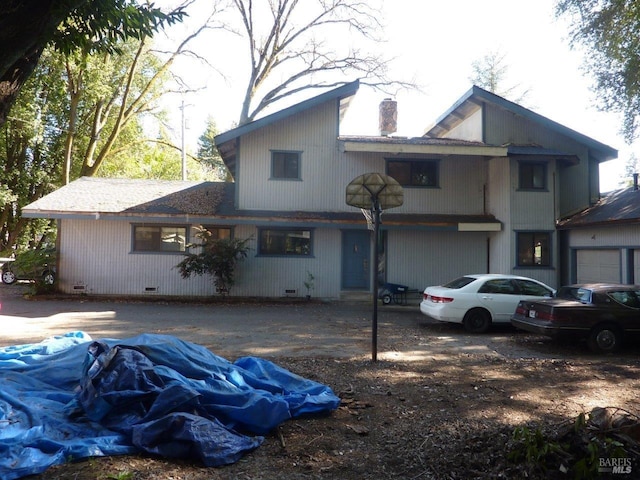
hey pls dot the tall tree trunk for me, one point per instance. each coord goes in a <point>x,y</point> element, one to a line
<point>74,86</point>
<point>13,79</point>
<point>25,29</point>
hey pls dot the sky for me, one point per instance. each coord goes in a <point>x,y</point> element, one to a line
<point>434,44</point>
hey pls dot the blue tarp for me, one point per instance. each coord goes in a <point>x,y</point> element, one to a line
<point>69,397</point>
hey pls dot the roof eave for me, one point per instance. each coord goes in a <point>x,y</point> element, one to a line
<point>477,96</point>
<point>342,92</point>
<point>404,148</point>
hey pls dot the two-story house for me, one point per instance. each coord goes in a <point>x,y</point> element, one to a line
<point>483,189</point>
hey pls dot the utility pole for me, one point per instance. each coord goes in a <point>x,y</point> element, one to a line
<point>184,154</point>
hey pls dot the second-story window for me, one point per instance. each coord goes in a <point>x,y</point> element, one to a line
<point>532,176</point>
<point>414,173</point>
<point>285,165</point>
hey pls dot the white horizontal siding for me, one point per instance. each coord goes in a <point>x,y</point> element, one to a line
<point>96,254</point>
<point>503,127</point>
<point>470,129</point>
<point>266,276</point>
<point>615,236</point>
<point>312,132</point>
<point>420,259</point>
<point>326,172</point>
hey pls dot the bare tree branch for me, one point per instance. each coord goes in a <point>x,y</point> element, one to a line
<point>297,44</point>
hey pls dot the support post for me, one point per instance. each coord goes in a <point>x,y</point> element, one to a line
<point>182,147</point>
<point>376,271</point>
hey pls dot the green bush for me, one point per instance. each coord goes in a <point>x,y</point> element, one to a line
<point>217,258</point>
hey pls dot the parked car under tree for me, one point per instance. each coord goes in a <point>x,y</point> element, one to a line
<point>36,265</point>
<point>600,313</point>
<point>478,301</point>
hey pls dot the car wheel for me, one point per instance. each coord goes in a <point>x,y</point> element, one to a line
<point>605,338</point>
<point>8,277</point>
<point>477,320</point>
<point>48,277</point>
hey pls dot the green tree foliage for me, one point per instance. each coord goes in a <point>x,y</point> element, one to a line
<point>108,97</point>
<point>28,26</point>
<point>208,152</point>
<point>631,167</point>
<point>217,257</point>
<point>610,30</point>
<point>30,145</point>
<point>99,26</point>
<point>157,159</point>
<point>79,113</point>
<point>491,73</point>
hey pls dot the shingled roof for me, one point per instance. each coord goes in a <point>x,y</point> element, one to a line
<point>93,197</point>
<point>209,203</point>
<point>619,207</point>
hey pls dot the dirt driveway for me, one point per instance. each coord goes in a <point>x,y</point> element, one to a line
<point>335,329</point>
<point>439,403</point>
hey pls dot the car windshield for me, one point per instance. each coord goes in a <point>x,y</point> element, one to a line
<point>459,282</point>
<point>575,293</point>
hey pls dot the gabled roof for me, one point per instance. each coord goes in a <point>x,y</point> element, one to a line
<point>475,97</point>
<point>619,207</point>
<point>343,93</point>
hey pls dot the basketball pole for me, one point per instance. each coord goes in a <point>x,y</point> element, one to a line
<point>375,206</point>
<point>365,192</point>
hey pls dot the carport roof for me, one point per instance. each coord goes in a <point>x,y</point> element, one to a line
<point>618,207</point>
<point>90,198</point>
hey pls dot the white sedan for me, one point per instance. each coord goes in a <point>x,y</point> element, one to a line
<point>477,301</point>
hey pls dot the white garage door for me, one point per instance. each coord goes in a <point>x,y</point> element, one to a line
<point>598,266</point>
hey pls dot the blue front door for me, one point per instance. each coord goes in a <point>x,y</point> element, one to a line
<point>356,259</point>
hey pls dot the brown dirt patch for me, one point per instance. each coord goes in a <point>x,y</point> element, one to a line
<point>438,418</point>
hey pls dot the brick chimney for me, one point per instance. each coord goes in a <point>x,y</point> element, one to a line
<point>388,117</point>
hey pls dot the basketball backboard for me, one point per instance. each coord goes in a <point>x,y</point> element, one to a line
<point>374,188</point>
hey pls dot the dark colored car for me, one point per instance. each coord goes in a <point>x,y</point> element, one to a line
<point>36,264</point>
<point>600,313</point>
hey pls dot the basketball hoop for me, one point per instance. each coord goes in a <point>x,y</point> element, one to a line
<point>373,193</point>
<point>374,188</point>
<point>368,217</point>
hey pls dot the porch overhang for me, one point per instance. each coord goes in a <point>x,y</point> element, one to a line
<point>419,146</point>
<point>479,227</point>
<point>294,219</point>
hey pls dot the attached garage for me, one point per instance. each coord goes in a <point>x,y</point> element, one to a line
<point>602,243</point>
<point>598,265</point>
